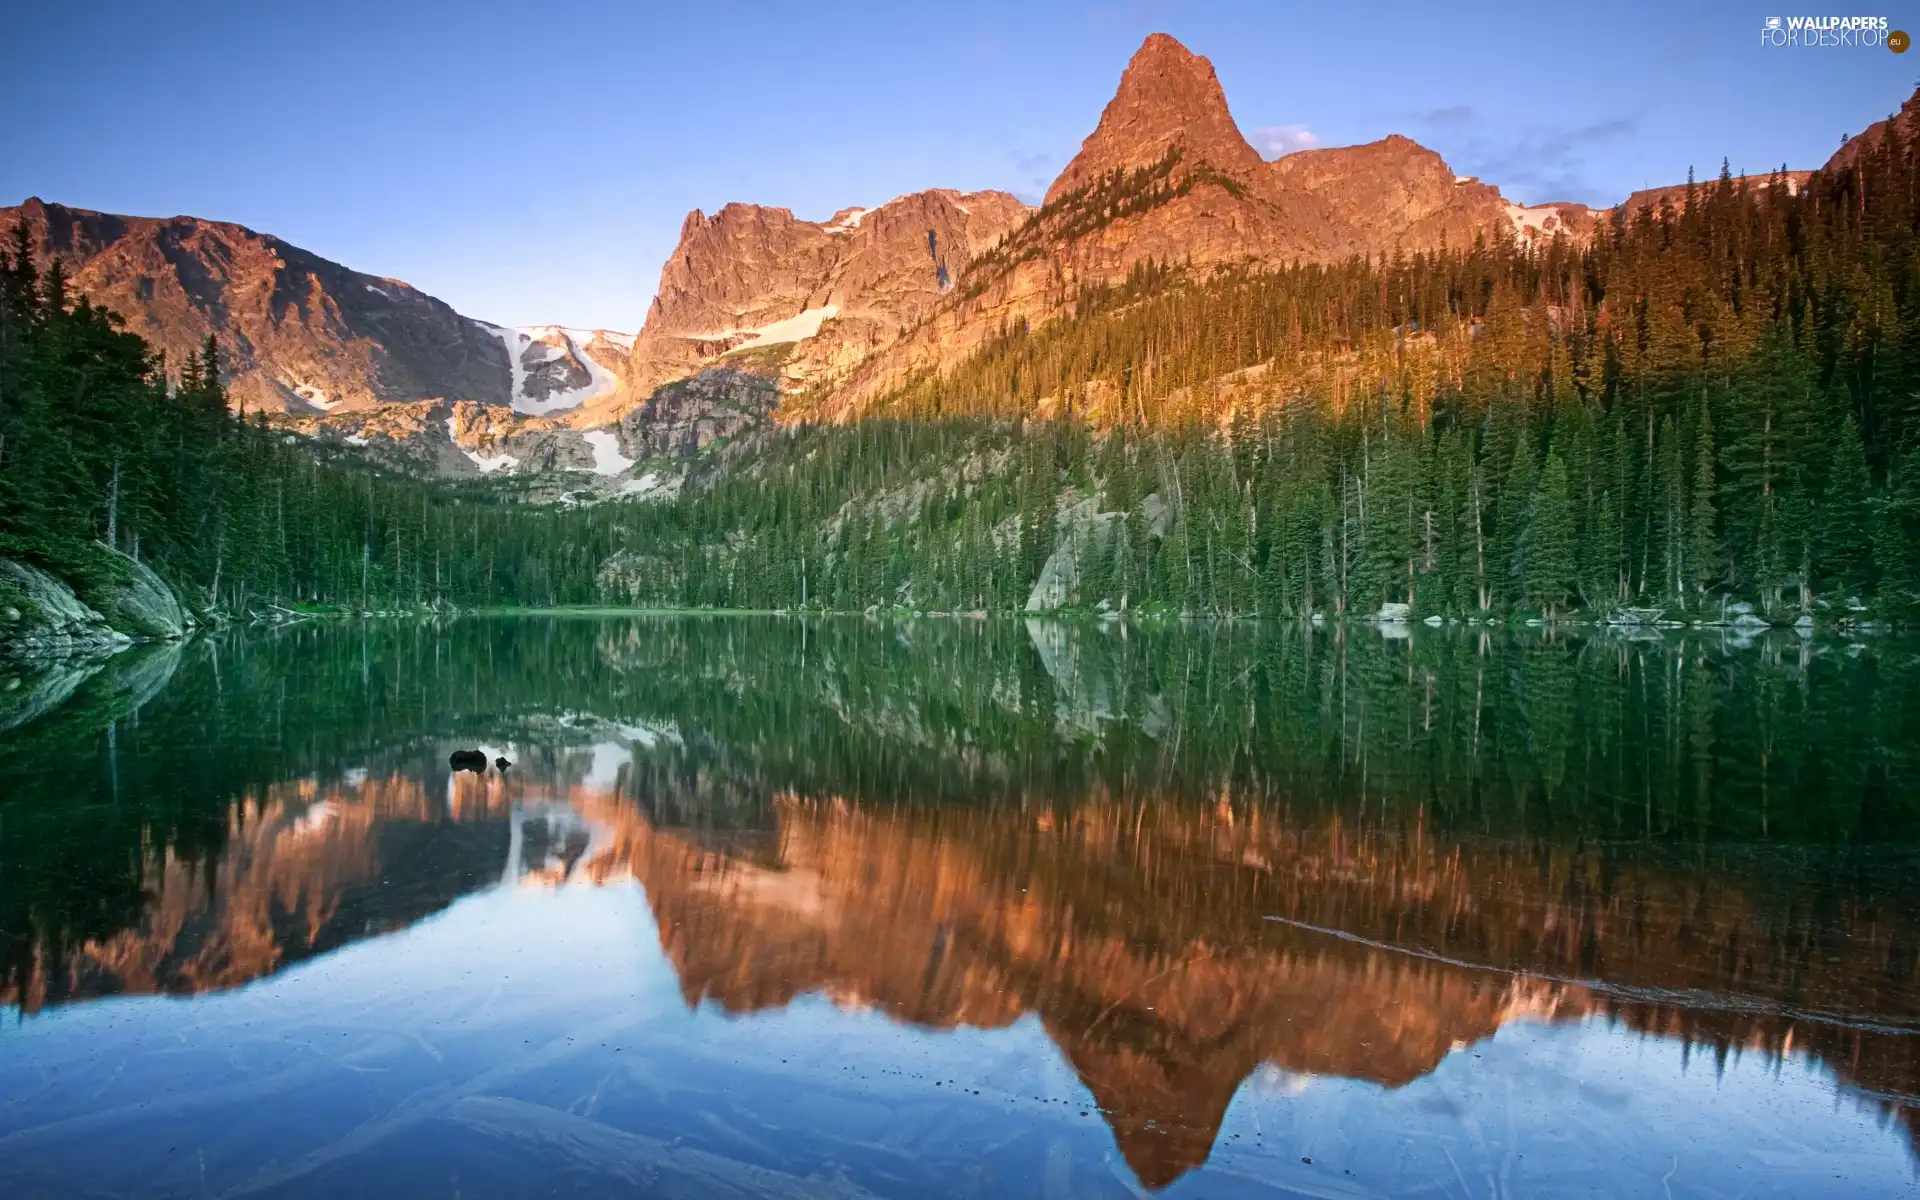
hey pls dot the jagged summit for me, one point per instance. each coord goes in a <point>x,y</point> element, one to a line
<point>1169,98</point>
<point>750,278</point>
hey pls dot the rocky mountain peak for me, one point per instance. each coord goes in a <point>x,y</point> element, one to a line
<point>1169,97</point>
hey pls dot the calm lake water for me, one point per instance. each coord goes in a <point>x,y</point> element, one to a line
<point>959,908</point>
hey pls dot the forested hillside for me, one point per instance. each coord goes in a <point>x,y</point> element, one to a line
<point>1713,402</point>
<point>104,444</point>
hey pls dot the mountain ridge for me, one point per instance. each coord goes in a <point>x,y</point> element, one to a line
<point>839,311</point>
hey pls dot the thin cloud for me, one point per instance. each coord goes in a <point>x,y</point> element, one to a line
<point>1272,141</point>
<point>1450,117</point>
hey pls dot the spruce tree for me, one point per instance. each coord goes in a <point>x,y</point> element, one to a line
<point>1551,559</point>
<point>1845,540</point>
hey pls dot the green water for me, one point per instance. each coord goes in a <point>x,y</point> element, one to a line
<point>961,908</point>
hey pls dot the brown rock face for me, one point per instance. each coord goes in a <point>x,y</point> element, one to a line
<point>750,277</point>
<point>1169,99</point>
<point>1394,187</point>
<point>301,333</point>
<point>1166,177</point>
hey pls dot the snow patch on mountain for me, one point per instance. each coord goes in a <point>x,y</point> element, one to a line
<point>488,464</point>
<point>517,374</point>
<point>315,397</point>
<point>613,337</point>
<point>797,328</point>
<point>645,487</point>
<point>1540,221</point>
<point>600,381</point>
<point>607,459</point>
<point>521,353</point>
<point>581,338</point>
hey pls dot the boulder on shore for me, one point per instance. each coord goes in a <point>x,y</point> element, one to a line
<point>140,602</point>
<point>41,617</point>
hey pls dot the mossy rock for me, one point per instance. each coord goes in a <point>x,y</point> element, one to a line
<point>132,596</point>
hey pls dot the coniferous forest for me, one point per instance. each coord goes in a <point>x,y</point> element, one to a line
<point>1714,402</point>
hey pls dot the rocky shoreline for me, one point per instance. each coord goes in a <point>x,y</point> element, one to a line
<point>42,616</point>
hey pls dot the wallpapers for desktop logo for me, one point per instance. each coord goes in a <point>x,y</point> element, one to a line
<point>1836,32</point>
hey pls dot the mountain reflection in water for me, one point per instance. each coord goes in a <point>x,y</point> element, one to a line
<point>1143,936</point>
<point>1172,940</point>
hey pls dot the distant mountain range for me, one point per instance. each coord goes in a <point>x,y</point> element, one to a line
<point>836,312</point>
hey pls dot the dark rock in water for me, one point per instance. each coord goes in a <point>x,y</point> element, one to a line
<point>468,760</point>
<point>502,763</point>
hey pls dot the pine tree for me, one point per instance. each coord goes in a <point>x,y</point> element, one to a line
<point>1845,539</point>
<point>1703,558</point>
<point>1551,560</point>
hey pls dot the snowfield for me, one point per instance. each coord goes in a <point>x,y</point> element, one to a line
<point>1543,220</point>
<point>641,486</point>
<point>607,459</point>
<point>488,464</point>
<point>797,328</point>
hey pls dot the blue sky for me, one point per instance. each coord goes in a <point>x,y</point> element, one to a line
<point>531,163</point>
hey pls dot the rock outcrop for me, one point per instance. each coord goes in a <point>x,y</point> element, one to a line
<point>1083,531</point>
<point>750,277</point>
<point>684,418</point>
<point>41,617</point>
<point>140,603</point>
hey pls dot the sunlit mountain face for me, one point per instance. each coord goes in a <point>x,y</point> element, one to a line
<point>1214,897</point>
